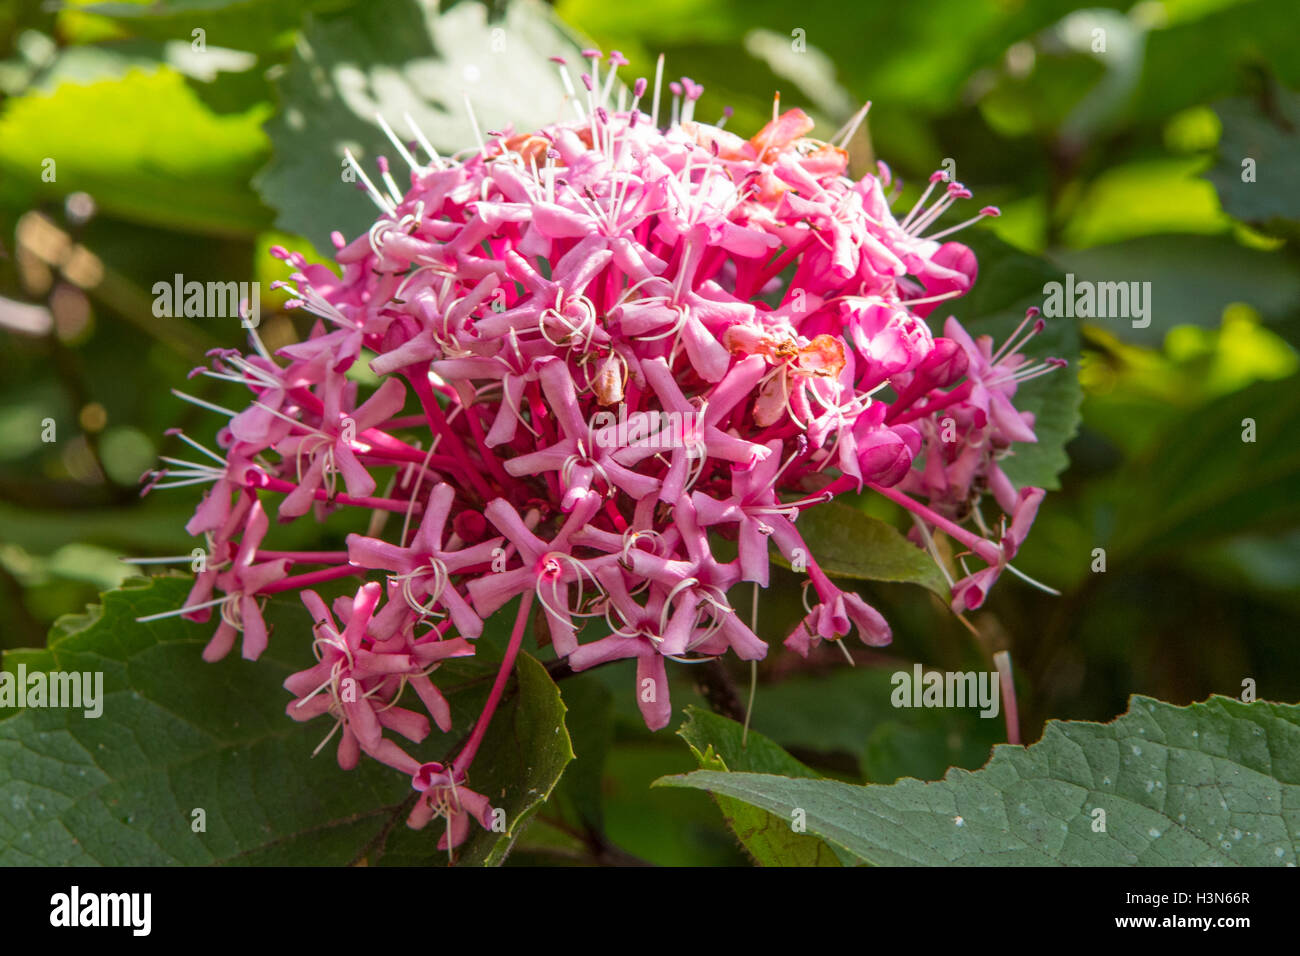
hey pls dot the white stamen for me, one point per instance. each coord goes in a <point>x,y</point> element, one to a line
<point>397,143</point>
<point>846,131</point>
<point>423,140</point>
<point>473,122</point>
<point>202,404</point>
<point>182,610</point>
<point>376,196</point>
<point>659,78</point>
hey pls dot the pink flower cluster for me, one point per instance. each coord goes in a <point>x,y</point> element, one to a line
<point>603,346</point>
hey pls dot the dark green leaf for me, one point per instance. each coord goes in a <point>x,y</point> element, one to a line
<point>591,725</point>
<point>850,712</point>
<point>523,755</point>
<point>1192,280</point>
<point>1201,481</point>
<point>1266,138</point>
<point>177,734</point>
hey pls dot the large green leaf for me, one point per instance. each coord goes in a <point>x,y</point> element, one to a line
<point>888,52</point>
<point>144,146</point>
<point>178,734</point>
<point>391,59</point>
<point>1219,39</point>
<point>848,543</point>
<point>720,744</point>
<point>1146,197</point>
<point>175,735</point>
<point>1216,783</point>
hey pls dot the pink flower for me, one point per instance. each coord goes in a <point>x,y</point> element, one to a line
<point>970,591</point>
<point>346,681</point>
<point>602,348</point>
<point>424,568</point>
<point>443,793</point>
<point>332,446</point>
<point>241,612</point>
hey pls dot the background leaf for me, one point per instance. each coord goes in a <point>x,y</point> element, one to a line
<point>849,712</point>
<point>144,146</point>
<point>1268,134</point>
<point>523,755</point>
<point>1201,481</point>
<point>391,59</point>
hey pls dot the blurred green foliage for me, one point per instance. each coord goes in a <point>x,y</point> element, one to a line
<point>183,135</point>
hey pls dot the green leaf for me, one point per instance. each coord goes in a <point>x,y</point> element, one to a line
<point>1200,480</point>
<point>175,735</point>
<point>144,146</point>
<point>889,53</point>
<point>592,728</point>
<point>178,734</point>
<point>1220,42</point>
<point>1146,197</point>
<point>1215,783</point>
<point>233,24</point>
<point>1268,136</point>
<point>851,544</point>
<point>719,744</point>
<point>663,827</point>
<point>391,59</point>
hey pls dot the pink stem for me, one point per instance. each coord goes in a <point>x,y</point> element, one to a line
<point>304,557</point>
<point>320,494</point>
<point>466,756</point>
<point>433,411</point>
<point>986,550</point>
<point>1002,659</point>
<point>314,577</point>
<point>494,464</point>
<point>951,398</point>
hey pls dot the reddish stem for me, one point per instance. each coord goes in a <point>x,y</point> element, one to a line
<point>320,494</point>
<point>466,756</point>
<point>304,557</point>
<point>433,411</point>
<point>313,577</point>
